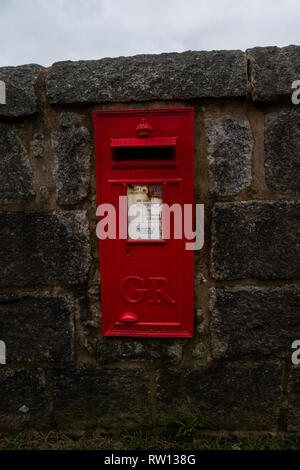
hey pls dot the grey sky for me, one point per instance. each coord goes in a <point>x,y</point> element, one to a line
<point>46,31</point>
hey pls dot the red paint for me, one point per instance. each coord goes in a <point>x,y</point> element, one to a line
<point>128,317</point>
<point>146,285</point>
<point>143,129</point>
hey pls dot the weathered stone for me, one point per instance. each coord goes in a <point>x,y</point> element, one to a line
<point>109,350</point>
<point>256,240</point>
<point>94,287</point>
<point>221,397</point>
<point>282,150</point>
<point>111,399</point>
<point>148,77</point>
<point>229,155</point>
<point>293,418</point>
<point>39,248</point>
<point>20,388</point>
<point>272,71</point>
<point>37,145</point>
<point>198,351</point>
<point>44,194</point>
<point>20,94</point>
<point>86,312</point>
<point>69,119</point>
<point>200,321</point>
<point>15,171</point>
<point>37,327</point>
<point>260,321</point>
<point>72,164</point>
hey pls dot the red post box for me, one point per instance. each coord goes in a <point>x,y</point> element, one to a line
<point>145,158</point>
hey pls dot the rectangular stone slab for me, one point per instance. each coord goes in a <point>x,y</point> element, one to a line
<point>187,75</point>
<point>19,90</point>
<point>40,248</point>
<point>255,239</point>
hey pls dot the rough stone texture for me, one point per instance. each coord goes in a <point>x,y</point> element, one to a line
<point>21,389</point>
<point>229,155</point>
<point>112,399</point>
<point>94,286</point>
<point>254,321</point>
<point>72,164</point>
<point>272,71</point>
<point>256,240</point>
<point>148,77</point>
<point>20,93</point>
<point>38,327</point>
<point>41,248</point>
<point>282,150</point>
<point>15,171</point>
<point>44,194</point>
<point>109,350</point>
<point>198,351</point>
<point>222,397</point>
<point>86,312</point>
<point>37,145</point>
<point>69,119</point>
<point>293,417</point>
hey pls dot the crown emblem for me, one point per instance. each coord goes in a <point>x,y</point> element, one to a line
<point>143,129</point>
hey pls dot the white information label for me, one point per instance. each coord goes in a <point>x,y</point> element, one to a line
<point>144,211</point>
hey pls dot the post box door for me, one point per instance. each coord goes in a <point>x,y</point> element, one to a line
<point>145,156</point>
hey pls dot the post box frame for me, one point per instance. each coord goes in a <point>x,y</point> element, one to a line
<point>155,294</point>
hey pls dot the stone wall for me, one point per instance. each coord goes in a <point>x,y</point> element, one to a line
<point>236,372</point>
